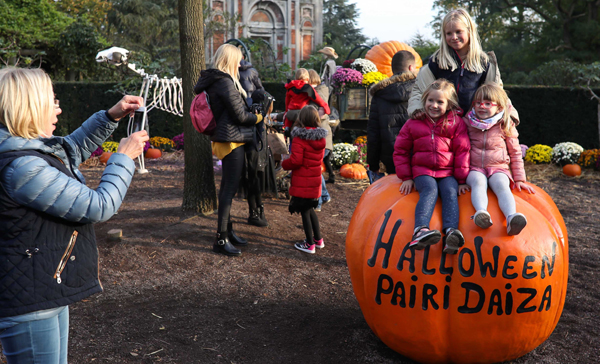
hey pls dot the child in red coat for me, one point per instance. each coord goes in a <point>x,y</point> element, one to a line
<point>305,188</point>
<point>299,94</point>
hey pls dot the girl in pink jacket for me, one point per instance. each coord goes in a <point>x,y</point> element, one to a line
<point>432,155</point>
<point>496,158</point>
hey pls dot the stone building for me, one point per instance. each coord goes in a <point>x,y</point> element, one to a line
<point>295,25</point>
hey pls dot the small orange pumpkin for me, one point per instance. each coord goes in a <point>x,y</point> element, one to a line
<point>353,171</point>
<point>511,287</point>
<point>104,157</point>
<point>323,169</point>
<point>153,153</point>
<point>572,170</point>
<point>382,54</point>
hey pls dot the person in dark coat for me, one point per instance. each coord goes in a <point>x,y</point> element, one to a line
<point>257,158</point>
<point>235,127</point>
<point>249,79</point>
<point>388,112</point>
<point>48,251</point>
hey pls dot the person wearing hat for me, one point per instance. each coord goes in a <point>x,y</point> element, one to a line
<point>330,67</point>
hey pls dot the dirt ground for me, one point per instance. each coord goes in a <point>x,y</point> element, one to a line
<point>168,298</point>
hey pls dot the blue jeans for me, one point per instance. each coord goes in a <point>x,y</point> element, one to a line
<point>36,337</point>
<point>429,188</point>
<point>324,193</point>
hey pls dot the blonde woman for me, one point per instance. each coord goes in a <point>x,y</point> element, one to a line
<point>235,126</point>
<point>459,60</point>
<point>48,252</point>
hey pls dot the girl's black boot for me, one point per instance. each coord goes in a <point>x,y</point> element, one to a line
<point>234,238</point>
<point>223,246</point>
<point>261,214</point>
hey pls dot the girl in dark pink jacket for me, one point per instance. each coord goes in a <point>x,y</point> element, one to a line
<point>496,158</point>
<point>432,155</point>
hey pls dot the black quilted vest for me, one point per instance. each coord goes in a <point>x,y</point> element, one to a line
<point>45,261</point>
<point>466,82</point>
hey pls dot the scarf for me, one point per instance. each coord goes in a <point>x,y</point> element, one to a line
<point>485,124</point>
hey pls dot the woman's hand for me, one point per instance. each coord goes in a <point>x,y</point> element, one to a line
<point>524,186</point>
<point>462,189</point>
<point>407,186</point>
<point>127,105</point>
<point>133,145</point>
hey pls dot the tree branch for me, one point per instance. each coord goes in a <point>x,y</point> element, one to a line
<point>532,7</point>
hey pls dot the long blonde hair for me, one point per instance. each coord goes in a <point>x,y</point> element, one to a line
<point>449,92</point>
<point>227,59</point>
<point>476,58</point>
<point>26,101</point>
<point>494,93</point>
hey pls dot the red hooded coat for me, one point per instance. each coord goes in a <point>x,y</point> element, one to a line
<point>427,148</point>
<point>299,94</point>
<point>308,149</point>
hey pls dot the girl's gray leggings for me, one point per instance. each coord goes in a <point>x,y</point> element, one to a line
<point>499,183</point>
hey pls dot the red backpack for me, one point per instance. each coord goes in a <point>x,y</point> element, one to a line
<point>202,116</point>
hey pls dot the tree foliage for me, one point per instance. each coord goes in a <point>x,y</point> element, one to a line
<point>340,26</point>
<point>528,33</point>
<point>31,25</point>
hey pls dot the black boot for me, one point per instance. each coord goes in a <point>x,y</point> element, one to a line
<point>223,246</point>
<point>261,215</point>
<point>233,237</point>
<point>255,219</point>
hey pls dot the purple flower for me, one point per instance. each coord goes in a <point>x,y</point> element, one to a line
<point>524,149</point>
<point>147,146</point>
<point>346,78</point>
<point>178,140</point>
<point>98,152</point>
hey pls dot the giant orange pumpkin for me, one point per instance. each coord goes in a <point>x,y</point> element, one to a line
<point>572,170</point>
<point>353,171</point>
<point>382,54</point>
<point>153,153</point>
<point>497,299</point>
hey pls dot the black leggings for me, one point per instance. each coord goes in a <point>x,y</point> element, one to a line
<point>255,178</point>
<point>233,164</point>
<point>310,223</point>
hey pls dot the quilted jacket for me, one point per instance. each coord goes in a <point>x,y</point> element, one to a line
<point>492,151</point>
<point>48,253</point>
<point>235,122</point>
<point>308,149</point>
<point>427,148</point>
<point>387,115</point>
<point>249,78</point>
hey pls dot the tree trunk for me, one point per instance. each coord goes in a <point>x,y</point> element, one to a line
<point>199,192</point>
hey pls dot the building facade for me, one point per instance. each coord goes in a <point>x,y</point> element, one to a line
<point>292,25</point>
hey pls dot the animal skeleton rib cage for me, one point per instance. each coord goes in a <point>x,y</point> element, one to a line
<point>167,93</point>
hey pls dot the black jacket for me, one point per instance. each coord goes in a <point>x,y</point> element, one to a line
<point>387,116</point>
<point>249,78</point>
<point>466,82</point>
<point>235,123</point>
<point>48,261</point>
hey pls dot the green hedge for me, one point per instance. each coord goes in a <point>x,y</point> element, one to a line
<point>79,100</point>
<point>549,115</point>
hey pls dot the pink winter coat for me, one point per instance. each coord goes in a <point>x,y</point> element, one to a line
<point>425,148</point>
<point>492,152</point>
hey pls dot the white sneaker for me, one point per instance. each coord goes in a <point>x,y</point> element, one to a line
<point>515,223</point>
<point>483,219</point>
